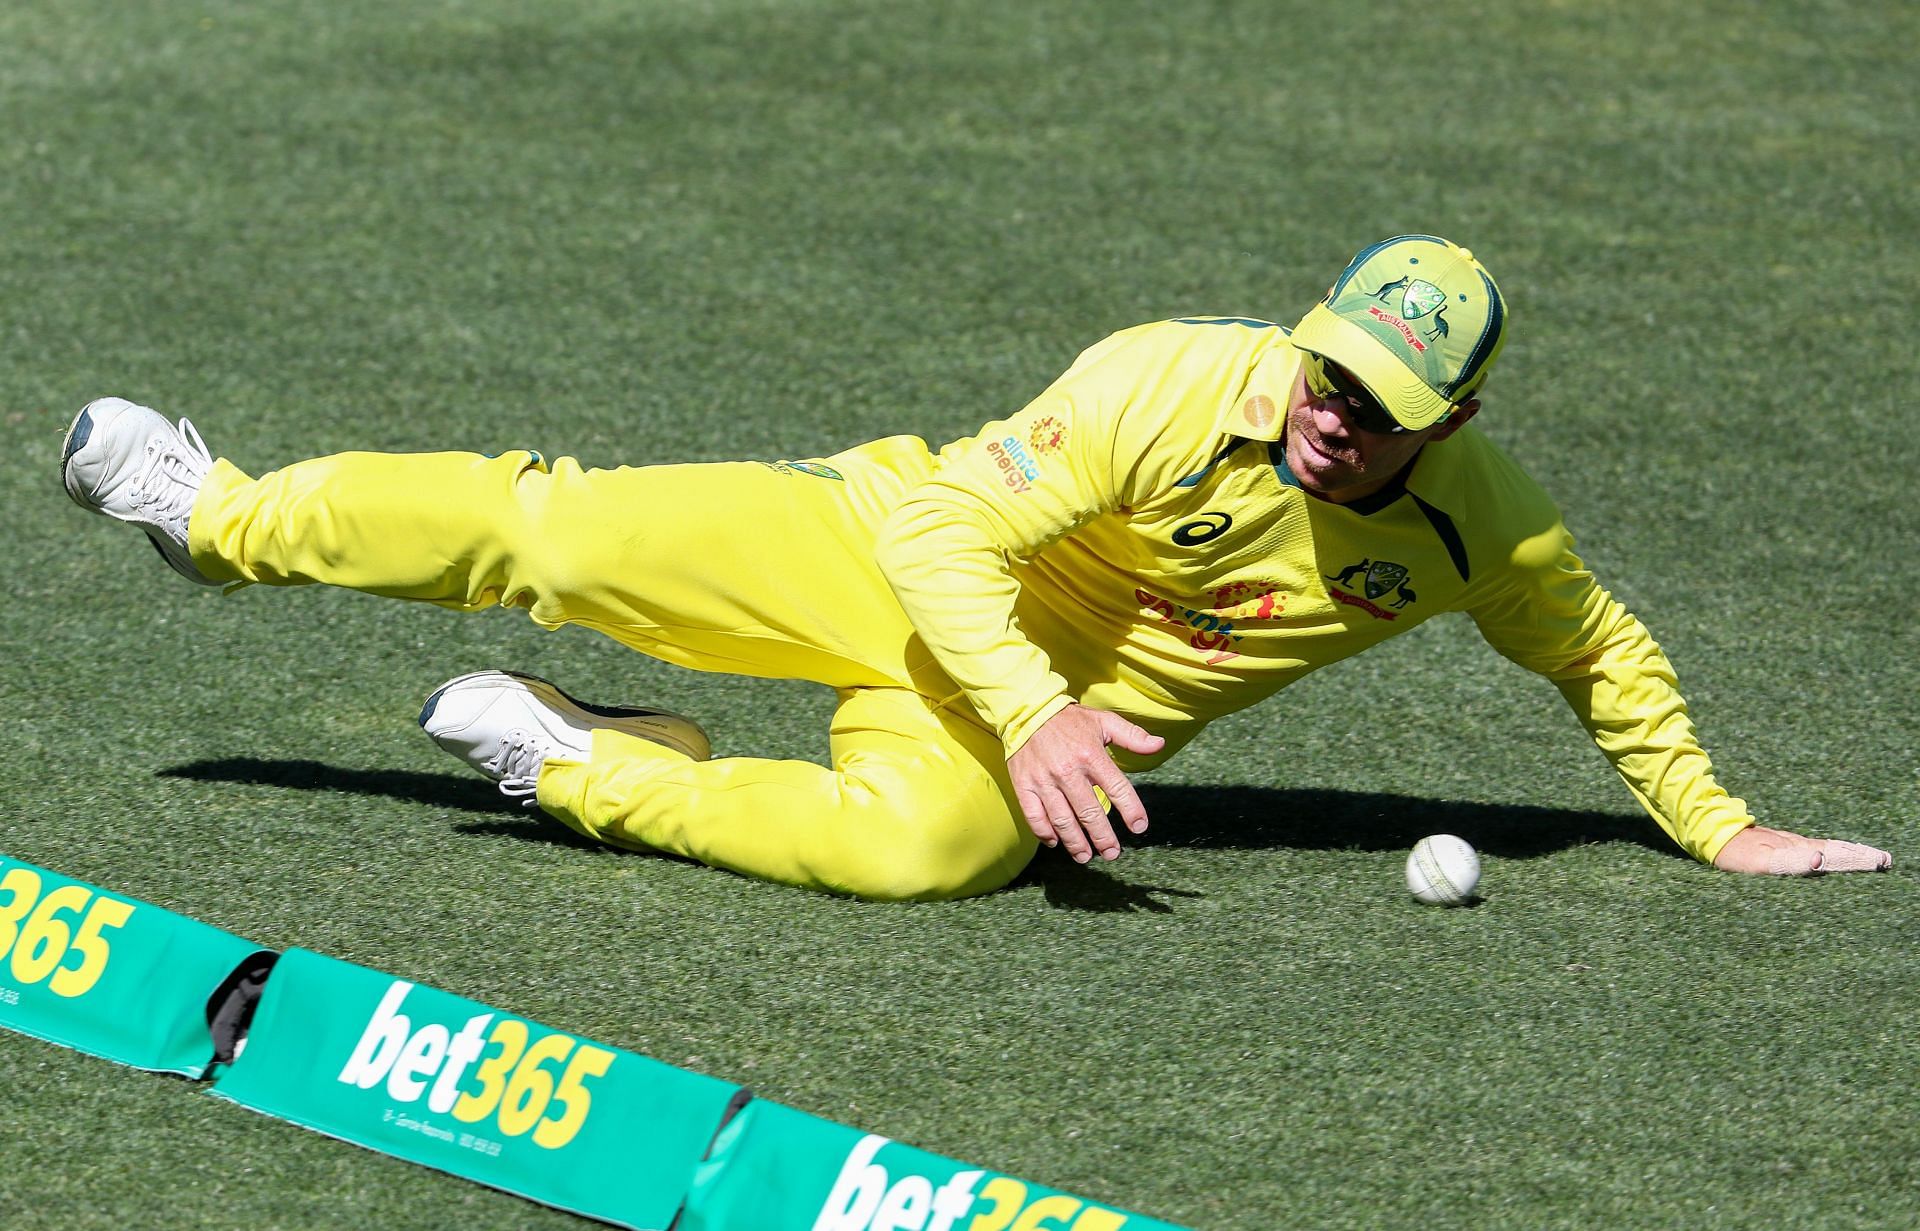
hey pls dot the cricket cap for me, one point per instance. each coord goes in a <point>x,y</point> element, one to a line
<point>1417,320</point>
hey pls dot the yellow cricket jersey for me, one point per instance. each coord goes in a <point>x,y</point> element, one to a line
<point>1133,540</point>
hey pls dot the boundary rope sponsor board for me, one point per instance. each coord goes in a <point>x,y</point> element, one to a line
<point>449,1083</point>
<point>777,1169</point>
<point>109,975</point>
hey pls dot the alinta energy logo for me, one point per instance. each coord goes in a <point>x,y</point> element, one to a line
<point>1011,456</point>
<point>1213,631</point>
<point>1418,299</point>
<point>1380,579</point>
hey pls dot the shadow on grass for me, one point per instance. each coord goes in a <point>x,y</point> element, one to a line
<point>455,792</point>
<point>461,792</point>
<point>1264,818</point>
<point>1193,817</point>
<point>1247,818</point>
<point>1093,889</point>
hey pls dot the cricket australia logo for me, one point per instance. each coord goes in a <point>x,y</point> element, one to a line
<point>1419,298</point>
<point>1048,435</point>
<point>1379,578</point>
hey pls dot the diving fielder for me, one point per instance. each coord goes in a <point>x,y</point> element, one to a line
<point>1196,514</point>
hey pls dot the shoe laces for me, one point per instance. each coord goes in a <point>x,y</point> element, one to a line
<point>170,477</point>
<point>517,763</point>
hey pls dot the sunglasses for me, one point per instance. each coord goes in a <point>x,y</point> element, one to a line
<point>1327,380</point>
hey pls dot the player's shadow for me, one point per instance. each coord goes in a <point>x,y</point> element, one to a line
<point>452,792</point>
<point>460,792</point>
<point>1267,818</point>
<point>1191,817</point>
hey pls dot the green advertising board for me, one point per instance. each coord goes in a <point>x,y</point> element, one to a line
<point>777,1169</point>
<point>455,1085</point>
<point>452,1084</point>
<point>109,975</point>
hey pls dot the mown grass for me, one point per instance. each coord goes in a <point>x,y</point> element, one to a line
<point>638,232</point>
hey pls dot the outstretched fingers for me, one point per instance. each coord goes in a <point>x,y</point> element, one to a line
<point>1840,856</point>
<point>1061,774</point>
<point>1759,850</point>
<point>1059,815</point>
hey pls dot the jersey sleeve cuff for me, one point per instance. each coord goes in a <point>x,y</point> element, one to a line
<point>1018,734</point>
<point>1708,849</point>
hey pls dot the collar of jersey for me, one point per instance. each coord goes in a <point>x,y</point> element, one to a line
<point>1366,506</point>
<point>1272,379</point>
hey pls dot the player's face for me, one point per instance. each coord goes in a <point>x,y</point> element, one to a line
<point>1337,459</point>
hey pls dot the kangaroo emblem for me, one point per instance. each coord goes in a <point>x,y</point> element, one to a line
<point>1419,298</point>
<point>1379,578</point>
<point>1382,577</point>
<point>1345,576</point>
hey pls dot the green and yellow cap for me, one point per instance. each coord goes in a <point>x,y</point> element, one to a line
<point>1417,320</point>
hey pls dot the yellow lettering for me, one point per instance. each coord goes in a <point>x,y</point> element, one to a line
<point>43,940</point>
<point>1060,1205</point>
<point>24,886</point>
<point>92,948</point>
<point>511,1035</point>
<point>589,1061</point>
<point>532,1086</point>
<point>1007,1195</point>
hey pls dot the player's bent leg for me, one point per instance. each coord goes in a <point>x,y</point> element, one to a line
<point>507,725</point>
<point>916,805</point>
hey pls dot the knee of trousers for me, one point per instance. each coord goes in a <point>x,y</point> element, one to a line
<point>959,848</point>
<point>933,815</point>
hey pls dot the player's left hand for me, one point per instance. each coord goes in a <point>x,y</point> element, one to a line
<point>1775,852</point>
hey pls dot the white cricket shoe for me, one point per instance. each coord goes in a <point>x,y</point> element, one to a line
<point>128,462</point>
<point>506,725</point>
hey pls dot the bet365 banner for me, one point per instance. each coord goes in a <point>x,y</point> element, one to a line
<point>777,1169</point>
<point>109,975</point>
<point>453,1084</point>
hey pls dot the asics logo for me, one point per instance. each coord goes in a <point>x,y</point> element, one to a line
<point>1203,529</point>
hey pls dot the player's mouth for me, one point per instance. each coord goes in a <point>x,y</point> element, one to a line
<point>1319,453</point>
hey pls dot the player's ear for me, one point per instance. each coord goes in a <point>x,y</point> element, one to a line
<point>1455,421</point>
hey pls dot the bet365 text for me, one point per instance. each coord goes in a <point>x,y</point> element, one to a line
<point>40,931</point>
<point>519,1076</point>
<point>866,1197</point>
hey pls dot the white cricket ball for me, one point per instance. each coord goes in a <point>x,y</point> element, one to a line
<point>1443,870</point>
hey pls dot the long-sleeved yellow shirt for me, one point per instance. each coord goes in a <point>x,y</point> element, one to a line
<point>1133,540</point>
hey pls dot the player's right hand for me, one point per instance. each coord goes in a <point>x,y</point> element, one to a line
<point>1061,771</point>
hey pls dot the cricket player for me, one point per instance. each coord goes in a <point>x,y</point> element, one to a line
<point>1196,514</point>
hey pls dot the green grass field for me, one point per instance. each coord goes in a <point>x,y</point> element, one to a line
<point>653,231</point>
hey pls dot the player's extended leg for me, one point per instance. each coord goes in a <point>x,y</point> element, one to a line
<point>738,566</point>
<point>916,804</point>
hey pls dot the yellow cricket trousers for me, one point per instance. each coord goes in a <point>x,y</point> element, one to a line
<point>740,567</point>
